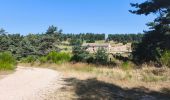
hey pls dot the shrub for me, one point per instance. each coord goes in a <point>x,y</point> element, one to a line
<point>55,57</point>
<point>74,41</point>
<point>101,56</point>
<point>165,58</point>
<point>79,54</point>
<point>90,59</point>
<point>64,57</point>
<point>43,59</point>
<point>52,57</point>
<point>90,41</point>
<point>7,61</point>
<point>29,59</point>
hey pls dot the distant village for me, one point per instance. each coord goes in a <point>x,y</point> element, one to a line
<point>113,49</point>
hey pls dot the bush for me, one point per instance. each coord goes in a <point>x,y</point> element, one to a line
<point>29,59</point>
<point>55,57</point>
<point>76,41</point>
<point>165,58</point>
<point>43,59</point>
<point>64,57</point>
<point>79,54</point>
<point>90,41</point>
<point>90,59</point>
<point>101,56</point>
<point>7,61</point>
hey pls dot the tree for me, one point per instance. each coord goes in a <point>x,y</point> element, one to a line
<point>47,44</point>
<point>157,39</point>
<point>26,48</point>
<point>2,31</point>
<point>52,30</point>
<point>4,42</point>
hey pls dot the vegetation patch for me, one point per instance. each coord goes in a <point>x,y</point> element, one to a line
<point>7,61</point>
<point>165,59</point>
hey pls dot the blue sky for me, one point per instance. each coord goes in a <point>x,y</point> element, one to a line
<point>73,16</point>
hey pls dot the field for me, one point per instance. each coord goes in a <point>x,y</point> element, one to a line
<point>91,82</point>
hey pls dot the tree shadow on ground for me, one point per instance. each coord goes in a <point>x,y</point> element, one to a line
<point>92,89</point>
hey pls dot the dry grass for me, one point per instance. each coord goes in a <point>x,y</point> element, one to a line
<point>79,78</point>
<point>117,73</point>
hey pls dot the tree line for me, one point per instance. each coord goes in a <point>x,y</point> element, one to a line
<point>92,37</point>
<point>33,44</point>
<point>124,38</point>
<point>42,44</point>
<point>152,46</point>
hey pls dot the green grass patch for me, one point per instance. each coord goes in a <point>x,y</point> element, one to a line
<point>7,61</point>
<point>58,58</point>
<point>29,59</point>
<point>127,65</point>
<point>165,58</point>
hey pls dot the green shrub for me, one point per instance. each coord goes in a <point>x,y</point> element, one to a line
<point>90,59</point>
<point>29,59</point>
<point>101,56</point>
<point>43,59</point>
<point>79,54</point>
<point>165,58</point>
<point>54,57</point>
<point>7,61</point>
<point>64,57</point>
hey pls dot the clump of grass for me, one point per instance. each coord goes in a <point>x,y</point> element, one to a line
<point>165,59</point>
<point>127,65</point>
<point>29,59</point>
<point>43,59</point>
<point>7,61</point>
<point>153,78</point>
<point>58,58</point>
<point>154,75</point>
<point>86,69</point>
<point>52,57</point>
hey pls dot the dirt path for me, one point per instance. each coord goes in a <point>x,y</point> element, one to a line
<point>29,84</point>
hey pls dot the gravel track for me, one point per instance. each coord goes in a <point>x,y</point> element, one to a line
<point>29,84</point>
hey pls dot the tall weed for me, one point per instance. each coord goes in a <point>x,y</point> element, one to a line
<point>7,61</point>
<point>165,59</point>
<point>55,57</point>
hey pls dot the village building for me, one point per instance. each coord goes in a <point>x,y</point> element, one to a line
<point>93,47</point>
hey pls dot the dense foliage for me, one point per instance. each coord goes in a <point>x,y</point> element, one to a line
<point>80,54</point>
<point>51,57</point>
<point>7,61</point>
<point>41,44</point>
<point>32,44</point>
<point>54,57</point>
<point>84,36</point>
<point>101,56</point>
<point>124,38</point>
<point>165,58</point>
<point>156,41</point>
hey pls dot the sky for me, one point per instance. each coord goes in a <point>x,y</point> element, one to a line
<point>72,16</point>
